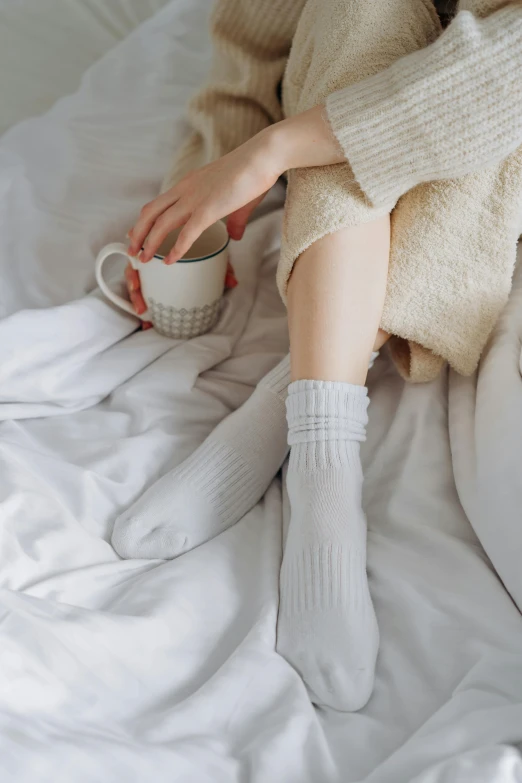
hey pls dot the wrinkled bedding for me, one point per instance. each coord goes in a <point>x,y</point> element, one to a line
<point>116,670</point>
<point>46,45</point>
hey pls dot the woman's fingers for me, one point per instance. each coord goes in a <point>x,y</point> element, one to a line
<point>138,302</point>
<point>132,279</point>
<point>195,226</point>
<point>172,218</point>
<point>148,216</point>
<point>230,277</point>
<point>237,220</point>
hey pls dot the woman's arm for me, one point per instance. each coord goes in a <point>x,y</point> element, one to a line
<point>251,41</point>
<point>450,109</point>
<point>447,110</point>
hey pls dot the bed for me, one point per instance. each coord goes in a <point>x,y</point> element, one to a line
<point>46,45</point>
<point>139,670</point>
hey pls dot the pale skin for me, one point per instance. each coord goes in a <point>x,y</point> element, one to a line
<point>337,287</point>
<point>335,301</point>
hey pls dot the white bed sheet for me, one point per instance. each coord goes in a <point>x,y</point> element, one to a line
<point>134,670</point>
<point>46,45</point>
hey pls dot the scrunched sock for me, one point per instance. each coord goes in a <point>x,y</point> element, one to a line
<point>327,627</point>
<point>218,484</point>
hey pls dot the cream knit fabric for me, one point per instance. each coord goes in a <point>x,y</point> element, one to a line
<point>252,41</point>
<point>407,105</point>
<point>440,113</point>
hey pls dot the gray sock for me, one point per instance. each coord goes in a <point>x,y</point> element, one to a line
<point>216,486</point>
<point>327,627</point>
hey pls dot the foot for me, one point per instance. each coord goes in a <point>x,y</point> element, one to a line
<point>217,485</point>
<point>327,627</point>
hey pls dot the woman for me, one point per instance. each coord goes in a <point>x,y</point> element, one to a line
<point>379,110</point>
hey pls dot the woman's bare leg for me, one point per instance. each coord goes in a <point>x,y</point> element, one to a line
<point>327,628</point>
<point>231,470</point>
<point>335,302</point>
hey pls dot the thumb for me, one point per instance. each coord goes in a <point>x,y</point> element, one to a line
<point>236,222</point>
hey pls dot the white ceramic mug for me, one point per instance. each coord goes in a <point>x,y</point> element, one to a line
<point>183,299</point>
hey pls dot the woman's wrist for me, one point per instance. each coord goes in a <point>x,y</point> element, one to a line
<point>304,140</point>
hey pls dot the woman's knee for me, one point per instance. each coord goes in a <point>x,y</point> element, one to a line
<point>349,40</point>
<point>344,256</point>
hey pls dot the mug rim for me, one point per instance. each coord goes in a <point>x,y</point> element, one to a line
<point>200,258</point>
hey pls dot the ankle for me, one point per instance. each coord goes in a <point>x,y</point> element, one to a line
<point>326,411</point>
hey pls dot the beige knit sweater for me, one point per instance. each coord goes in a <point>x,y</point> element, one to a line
<point>409,105</point>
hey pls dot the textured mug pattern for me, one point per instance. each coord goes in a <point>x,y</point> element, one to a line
<point>183,323</point>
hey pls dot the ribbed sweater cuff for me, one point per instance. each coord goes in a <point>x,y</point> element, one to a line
<point>367,124</point>
<point>437,113</point>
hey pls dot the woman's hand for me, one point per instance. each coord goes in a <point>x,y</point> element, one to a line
<point>132,280</point>
<point>232,185</point>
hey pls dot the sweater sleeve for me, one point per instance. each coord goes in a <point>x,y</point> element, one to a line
<point>447,110</point>
<point>251,43</point>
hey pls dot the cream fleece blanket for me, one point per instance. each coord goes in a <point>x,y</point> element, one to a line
<point>453,241</point>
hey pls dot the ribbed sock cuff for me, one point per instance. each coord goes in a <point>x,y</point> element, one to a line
<point>326,410</point>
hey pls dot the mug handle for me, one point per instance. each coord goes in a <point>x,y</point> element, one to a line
<point>124,304</point>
